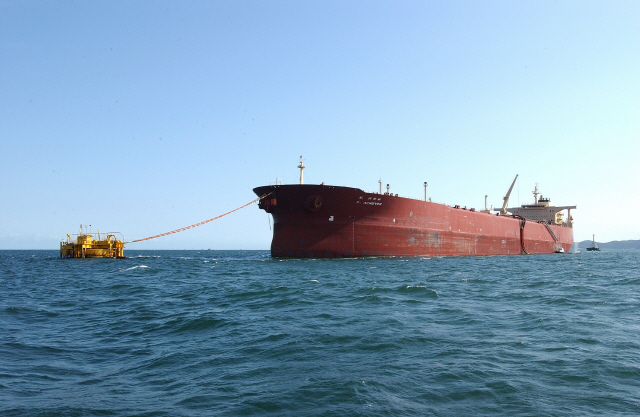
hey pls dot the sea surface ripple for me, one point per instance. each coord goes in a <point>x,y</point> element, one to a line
<point>238,333</point>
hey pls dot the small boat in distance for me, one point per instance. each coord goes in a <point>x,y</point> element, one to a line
<point>593,246</point>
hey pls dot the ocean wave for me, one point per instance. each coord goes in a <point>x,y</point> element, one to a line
<point>417,289</point>
<point>134,267</point>
<point>380,336</point>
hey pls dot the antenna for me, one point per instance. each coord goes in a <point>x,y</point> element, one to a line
<point>301,166</point>
<point>425,190</point>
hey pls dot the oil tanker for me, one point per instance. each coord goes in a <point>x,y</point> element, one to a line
<point>325,221</point>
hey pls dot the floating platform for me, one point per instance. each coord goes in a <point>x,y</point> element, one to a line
<point>92,245</point>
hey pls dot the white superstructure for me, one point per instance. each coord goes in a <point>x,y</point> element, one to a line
<point>542,211</point>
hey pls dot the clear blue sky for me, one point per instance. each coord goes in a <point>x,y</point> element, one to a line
<point>146,116</point>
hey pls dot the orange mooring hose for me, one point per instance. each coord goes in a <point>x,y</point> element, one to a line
<point>200,223</point>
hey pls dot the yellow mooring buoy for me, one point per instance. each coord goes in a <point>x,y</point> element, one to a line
<point>91,245</point>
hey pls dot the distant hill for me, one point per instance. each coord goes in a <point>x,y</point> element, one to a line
<point>616,244</point>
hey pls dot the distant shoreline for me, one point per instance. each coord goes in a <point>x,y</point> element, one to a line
<point>616,244</point>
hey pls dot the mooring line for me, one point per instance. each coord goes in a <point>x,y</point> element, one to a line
<point>200,223</point>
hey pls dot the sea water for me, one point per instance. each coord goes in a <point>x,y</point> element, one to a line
<point>238,333</point>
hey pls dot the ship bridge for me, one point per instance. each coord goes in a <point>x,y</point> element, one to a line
<point>542,211</point>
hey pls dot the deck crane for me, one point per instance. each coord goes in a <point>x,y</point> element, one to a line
<point>506,197</point>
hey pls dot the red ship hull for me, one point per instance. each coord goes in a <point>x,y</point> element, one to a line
<point>318,221</point>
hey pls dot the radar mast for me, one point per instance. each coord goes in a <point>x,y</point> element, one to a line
<point>301,166</point>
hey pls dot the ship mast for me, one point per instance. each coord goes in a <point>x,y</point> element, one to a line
<point>301,166</point>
